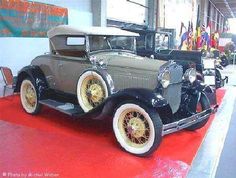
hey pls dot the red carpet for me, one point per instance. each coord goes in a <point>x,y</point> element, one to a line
<point>52,142</point>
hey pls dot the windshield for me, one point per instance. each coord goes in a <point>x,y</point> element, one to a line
<point>98,43</point>
<point>161,41</point>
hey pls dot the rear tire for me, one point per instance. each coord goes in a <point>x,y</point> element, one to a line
<point>137,128</point>
<point>29,96</point>
<point>205,104</point>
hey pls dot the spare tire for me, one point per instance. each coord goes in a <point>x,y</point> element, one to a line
<point>92,90</point>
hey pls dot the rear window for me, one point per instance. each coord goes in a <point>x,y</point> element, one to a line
<point>75,41</point>
<point>74,46</point>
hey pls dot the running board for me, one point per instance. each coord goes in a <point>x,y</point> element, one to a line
<point>67,108</point>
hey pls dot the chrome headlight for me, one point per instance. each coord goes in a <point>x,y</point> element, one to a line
<point>164,78</point>
<point>190,75</point>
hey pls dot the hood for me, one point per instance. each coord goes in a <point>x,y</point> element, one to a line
<point>124,59</point>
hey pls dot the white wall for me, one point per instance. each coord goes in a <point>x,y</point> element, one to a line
<point>16,53</point>
<point>125,11</point>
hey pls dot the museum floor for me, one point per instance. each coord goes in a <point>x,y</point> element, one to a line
<point>53,143</point>
<point>214,157</point>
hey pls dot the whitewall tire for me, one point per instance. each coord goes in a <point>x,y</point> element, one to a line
<point>92,90</point>
<point>138,129</point>
<point>28,96</point>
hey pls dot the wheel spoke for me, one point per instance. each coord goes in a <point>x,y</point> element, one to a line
<point>94,92</point>
<point>136,127</point>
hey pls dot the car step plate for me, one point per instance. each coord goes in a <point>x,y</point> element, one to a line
<point>67,108</point>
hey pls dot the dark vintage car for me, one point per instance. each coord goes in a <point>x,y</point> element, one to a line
<point>157,44</point>
<point>95,71</point>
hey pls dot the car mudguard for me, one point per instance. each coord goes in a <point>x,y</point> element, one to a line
<point>35,73</point>
<point>198,86</point>
<point>146,96</point>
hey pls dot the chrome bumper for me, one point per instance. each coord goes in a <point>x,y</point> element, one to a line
<point>186,122</point>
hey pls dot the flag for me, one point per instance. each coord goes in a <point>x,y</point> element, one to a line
<point>190,36</point>
<point>198,36</point>
<point>198,31</point>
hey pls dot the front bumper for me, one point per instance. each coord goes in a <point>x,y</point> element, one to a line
<point>186,122</point>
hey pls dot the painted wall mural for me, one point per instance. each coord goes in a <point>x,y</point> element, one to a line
<point>20,18</point>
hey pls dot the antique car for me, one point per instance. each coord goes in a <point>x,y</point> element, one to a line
<point>95,71</point>
<point>157,44</point>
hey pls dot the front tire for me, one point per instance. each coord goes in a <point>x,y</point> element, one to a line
<point>224,61</point>
<point>137,128</point>
<point>202,105</point>
<point>29,96</point>
<point>218,78</point>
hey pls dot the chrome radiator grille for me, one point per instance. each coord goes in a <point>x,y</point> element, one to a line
<point>173,92</point>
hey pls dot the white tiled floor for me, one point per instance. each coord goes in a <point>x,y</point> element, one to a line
<point>230,71</point>
<point>207,159</point>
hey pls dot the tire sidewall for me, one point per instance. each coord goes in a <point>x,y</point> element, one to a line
<point>35,109</point>
<point>218,78</point>
<point>83,76</point>
<point>154,122</point>
<point>205,105</point>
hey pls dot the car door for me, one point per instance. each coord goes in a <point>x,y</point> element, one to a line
<point>71,62</point>
<point>69,70</point>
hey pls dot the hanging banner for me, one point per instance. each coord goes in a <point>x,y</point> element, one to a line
<point>20,18</point>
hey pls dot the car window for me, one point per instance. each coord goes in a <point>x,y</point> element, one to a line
<point>140,42</point>
<point>149,41</point>
<point>122,42</point>
<point>99,42</point>
<point>77,41</point>
<point>74,46</point>
<point>161,41</point>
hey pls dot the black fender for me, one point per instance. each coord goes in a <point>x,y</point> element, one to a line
<point>200,76</point>
<point>146,96</point>
<point>220,67</point>
<point>36,74</point>
<point>191,104</point>
<point>198,86</point>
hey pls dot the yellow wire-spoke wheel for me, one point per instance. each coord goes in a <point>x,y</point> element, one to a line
<point>91,90</point>
<point>137,128</point>
<point>28,96</point>
<point>134,128</point>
